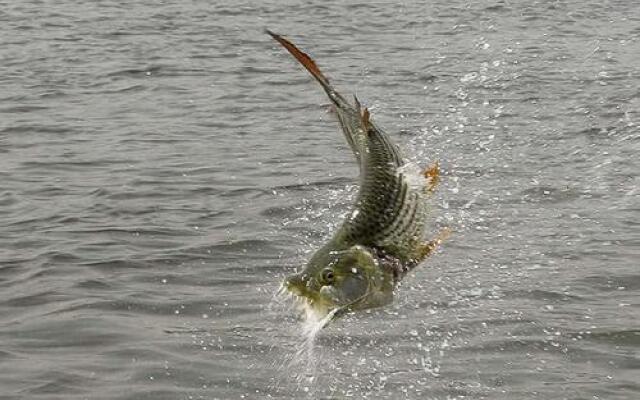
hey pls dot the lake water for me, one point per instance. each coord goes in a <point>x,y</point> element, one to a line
<point>163,165</point>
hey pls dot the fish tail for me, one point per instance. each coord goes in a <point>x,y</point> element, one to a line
<point>348,116</point>
<point>303,58</point>
<point>310,65</point>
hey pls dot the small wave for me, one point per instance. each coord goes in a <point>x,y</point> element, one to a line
<point>22,109</point>
<point>38,129</point>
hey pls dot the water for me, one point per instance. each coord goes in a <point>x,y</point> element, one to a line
<point>164,165</point>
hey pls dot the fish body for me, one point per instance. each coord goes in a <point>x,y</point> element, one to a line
<point>382,238</point>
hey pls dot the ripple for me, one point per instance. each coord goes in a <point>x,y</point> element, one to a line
<point>550,194</point>
<point>629,338</point>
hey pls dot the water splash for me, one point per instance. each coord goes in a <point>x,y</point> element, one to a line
<point>299,367</point>
<point>305,355</point>
<point>414,174</point>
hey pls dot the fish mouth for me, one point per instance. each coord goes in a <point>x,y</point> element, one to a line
<point>312,305</point>
<point>315,307</point>
<point>321,302</point>
<point>323,306</point>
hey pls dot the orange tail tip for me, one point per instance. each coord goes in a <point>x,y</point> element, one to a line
<point>301,56</point>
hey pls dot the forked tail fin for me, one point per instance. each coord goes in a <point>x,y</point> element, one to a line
<point>348,116</point>
<point>303,58</point>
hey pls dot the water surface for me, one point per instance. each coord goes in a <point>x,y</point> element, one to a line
<point>164,165</point>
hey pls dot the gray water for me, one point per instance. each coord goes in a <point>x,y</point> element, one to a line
<point>164,165</point>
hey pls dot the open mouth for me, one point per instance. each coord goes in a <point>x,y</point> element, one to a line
<point>323,308</point>
<point>319,310</point>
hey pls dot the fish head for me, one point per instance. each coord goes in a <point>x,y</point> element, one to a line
<point>343,280</point>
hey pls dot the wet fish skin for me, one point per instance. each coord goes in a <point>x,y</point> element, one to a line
<point>381,240</point>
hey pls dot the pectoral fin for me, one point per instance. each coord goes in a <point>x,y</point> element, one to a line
<point>433,177</point>
<point>425,249</point>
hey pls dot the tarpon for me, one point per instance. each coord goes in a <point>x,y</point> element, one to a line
<point>381,239</point>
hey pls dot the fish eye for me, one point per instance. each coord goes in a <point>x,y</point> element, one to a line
<point>327,275</point>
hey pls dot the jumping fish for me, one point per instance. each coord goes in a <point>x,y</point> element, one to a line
<point>381,240</point>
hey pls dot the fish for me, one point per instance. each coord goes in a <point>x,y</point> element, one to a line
<point>381,239</point>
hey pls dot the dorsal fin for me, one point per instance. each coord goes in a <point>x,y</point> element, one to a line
<point>366,122</point>
<point>363,113</point>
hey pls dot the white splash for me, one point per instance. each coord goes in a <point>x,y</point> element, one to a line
<point>413,174</point>
<point>300,366</point>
